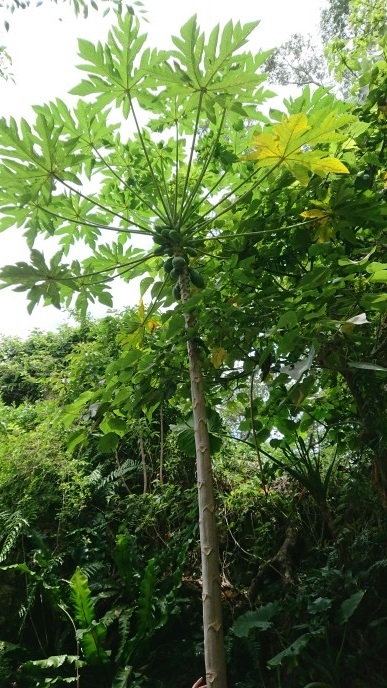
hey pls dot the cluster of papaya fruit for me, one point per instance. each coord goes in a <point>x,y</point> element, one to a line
<point>170,242</point>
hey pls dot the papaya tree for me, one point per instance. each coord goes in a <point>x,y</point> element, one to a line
<point>172,147</point>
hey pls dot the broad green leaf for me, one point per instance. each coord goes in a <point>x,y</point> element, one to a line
<point>292,651</point>
<point>378,276</point>
<point>109,442</point>
<point>145,617</point>
<point>81,597</point>
<point>76,438</point>
<point>53,662</point>
<point>316,277</point>
<point>259,618</point>
<point>185,435</point>
<point>349,606</point>
<point>90,633</point>
<point>118,425</point>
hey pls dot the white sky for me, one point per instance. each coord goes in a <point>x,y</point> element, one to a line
<point>43,45</point>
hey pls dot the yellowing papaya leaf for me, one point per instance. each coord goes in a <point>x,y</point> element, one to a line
<point>328,165</point>
<point>152,324</point>
<point>217,356</point>
<point>134,339</point>
<point>324,232</point>
<point>293,143</point>
<point>141,310</point>
<point>315,213</point>
<point>299,172</point>
<point>323,229</point>
<point>281,144</point>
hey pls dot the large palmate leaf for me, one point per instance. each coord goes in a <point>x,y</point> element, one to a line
<point>217,68</point>
<point>293,143</point>
<point>114,73</point>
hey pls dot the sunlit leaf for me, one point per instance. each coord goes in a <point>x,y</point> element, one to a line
<point>293,143</point>
<point>218,354</point>
<point>315,213</point>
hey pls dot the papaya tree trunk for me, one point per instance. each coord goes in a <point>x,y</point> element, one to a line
<point>214,652</point>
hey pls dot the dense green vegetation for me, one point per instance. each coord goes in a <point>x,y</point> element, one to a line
<point>95,568</point>
<point>259,342</point>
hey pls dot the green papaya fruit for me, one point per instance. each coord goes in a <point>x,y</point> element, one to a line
<point>179,262</point>
<point>191,251</point>
<point>175,236</point>
<point>168,265</point>
<point>196,278</point>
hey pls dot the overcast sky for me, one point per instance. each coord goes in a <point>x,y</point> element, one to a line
<point>43,45</point>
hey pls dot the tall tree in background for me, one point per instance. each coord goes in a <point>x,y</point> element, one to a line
<point>351,32</point>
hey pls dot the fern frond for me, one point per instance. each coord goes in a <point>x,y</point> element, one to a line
<point>92,569</point>
<point>124,626</point>
<point>12,525</point>
<point>99,481</point>
<point>94,478</point>
<point>128,466</point>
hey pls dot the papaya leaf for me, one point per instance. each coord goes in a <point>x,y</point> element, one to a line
<point>293,143</point>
